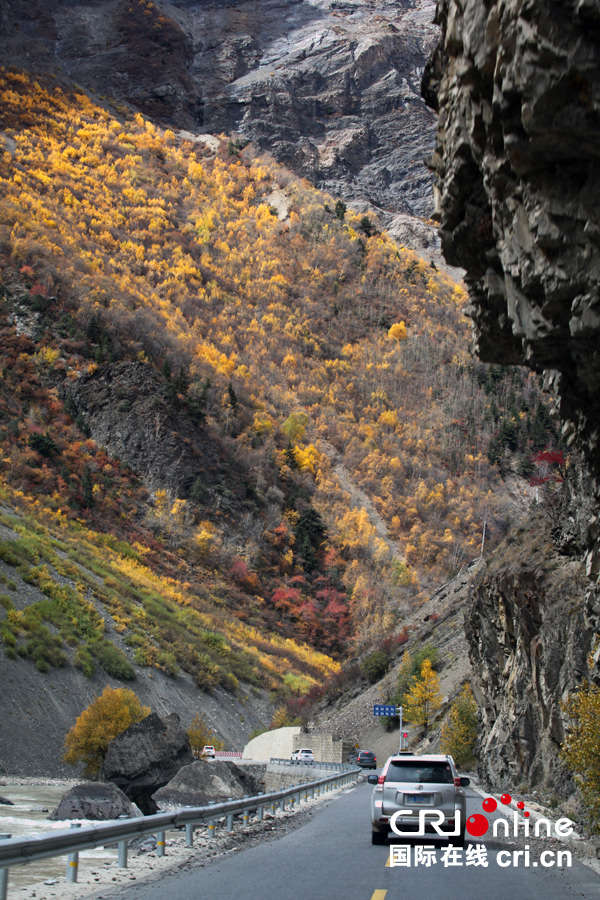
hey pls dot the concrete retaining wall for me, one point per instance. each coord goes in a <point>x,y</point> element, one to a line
<point>277,777</point>
<point>324,747</point>
<point>278,744</point>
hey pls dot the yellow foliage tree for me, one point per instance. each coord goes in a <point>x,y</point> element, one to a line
<point>424,698</point>
<point>281,718</point>
<point>398,332</point>
<point>581,747</point>
<point>459,731</point>
<point>200,733</point>
<point>295,426</point>
<point>106,717</point>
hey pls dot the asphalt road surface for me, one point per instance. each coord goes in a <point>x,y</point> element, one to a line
<point>331,858</point>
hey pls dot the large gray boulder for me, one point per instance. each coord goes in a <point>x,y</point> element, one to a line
<point>145,757</point>
<point>203,781</point>
<point>91,800</point>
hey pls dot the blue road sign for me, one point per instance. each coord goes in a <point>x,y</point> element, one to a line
<point>380,710</point>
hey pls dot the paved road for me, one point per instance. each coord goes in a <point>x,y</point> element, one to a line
<point>331,858</point>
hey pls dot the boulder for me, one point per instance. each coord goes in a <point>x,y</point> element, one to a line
<point>4,801</point>
<point>92,800</point>
<point>203,781</point>
<point>145,757</point>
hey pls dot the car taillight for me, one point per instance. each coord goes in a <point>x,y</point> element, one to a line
<point>381,779</point>
<point>374,759</point>
<point>457,782</point>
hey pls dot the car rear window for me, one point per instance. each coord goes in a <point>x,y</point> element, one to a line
<point>365,753</point>
<point>424,773</point>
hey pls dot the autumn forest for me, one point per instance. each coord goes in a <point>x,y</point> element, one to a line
<point>340,449</point>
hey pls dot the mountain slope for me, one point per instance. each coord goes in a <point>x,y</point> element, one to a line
<point>183,322</point>
<point>330,88</point>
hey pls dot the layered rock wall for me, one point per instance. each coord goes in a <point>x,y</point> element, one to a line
<point>517,165</point>
<point>528,648</point>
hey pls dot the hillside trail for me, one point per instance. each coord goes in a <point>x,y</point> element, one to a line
<point>358,498</point>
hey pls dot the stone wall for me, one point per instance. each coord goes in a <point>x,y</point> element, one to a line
<point>277,778</point>
<point>324,747</point>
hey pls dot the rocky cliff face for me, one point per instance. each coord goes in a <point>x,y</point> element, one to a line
<point>129,411</point>
<point>517,87</point>
<point>331,87</point>
<point>528,647</point>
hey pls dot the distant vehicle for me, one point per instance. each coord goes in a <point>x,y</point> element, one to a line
<point>304,753</point>
<point>366,759</point>
<point>209,751</point>
<point>413,783</point>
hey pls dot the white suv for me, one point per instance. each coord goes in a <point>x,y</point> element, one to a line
<point>304,753</point>
<point>412,783</point>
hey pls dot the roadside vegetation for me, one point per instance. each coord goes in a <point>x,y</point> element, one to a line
<point>459,731</point>
<point>580,750</point>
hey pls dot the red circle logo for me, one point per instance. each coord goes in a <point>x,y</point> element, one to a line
<point>490,805</point>
<point>477,825</point>
<point>520,805</point>
<point>506,798</point>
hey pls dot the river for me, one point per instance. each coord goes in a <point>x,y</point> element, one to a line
<point>28,816</point>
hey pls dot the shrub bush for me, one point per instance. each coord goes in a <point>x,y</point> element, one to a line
<point>85,661</point>
<point>375,666</point>
<point>113,661</point>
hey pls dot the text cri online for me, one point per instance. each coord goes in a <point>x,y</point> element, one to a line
<point>400,855</point>
<point>434,819</point>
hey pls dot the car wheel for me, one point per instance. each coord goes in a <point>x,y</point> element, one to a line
<point>378,837</point>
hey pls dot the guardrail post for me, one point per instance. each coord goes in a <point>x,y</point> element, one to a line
<point>211,822</point>
<point>282,805</point>
<point>230,822</point>
<point>122,861</point>
<point>189,834</point>
<point>73,861</point>
<point>4,872</point>
<point>122,848</point>
<point>160,843</point>
<point>259,809</point>
<point>312,793</point>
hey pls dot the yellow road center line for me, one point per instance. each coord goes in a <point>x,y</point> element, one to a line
<point>387,862</point>
<point>379,895</point>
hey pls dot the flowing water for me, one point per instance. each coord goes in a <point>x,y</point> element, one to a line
<point>28,816</point>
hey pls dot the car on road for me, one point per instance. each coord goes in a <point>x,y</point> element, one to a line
<point>410,784</point>
<point>366,759</point>
<point>305,753</point>
<point>208,751</point>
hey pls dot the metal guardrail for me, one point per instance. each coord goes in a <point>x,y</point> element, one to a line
<point>20,851</point>
<point>337,767</point>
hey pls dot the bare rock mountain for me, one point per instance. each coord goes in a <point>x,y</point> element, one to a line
<point>330,87</point>
<point>517,164</point>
